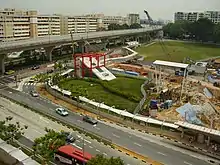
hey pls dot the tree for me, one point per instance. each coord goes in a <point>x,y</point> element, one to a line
<point>56,78</point>
<point>114,26</point>
<point>101,29</point>
<point>10,132</point>
<point>48,144</point>
<point>204,29</point>
<point>79,91</point>
<point>101,160</point>
<point>216,33</point>
<point>125,26</point>
<point>135,26</point>
<point>58,65</point>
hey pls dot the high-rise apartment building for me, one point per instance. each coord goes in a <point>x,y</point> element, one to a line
<point>18,24</point>
<point>133,19</point>
<point>214,16</point>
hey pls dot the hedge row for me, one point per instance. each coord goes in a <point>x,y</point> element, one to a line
<point>113,90</point>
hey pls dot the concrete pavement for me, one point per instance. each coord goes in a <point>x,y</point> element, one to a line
<point>132,142</point>
<point>37,123</point>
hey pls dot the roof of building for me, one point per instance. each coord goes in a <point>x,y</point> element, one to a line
<point>198,128</point>
<point>17,154</point>
<point>170,64</point>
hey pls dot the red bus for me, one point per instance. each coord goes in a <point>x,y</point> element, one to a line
<point>68,154</point>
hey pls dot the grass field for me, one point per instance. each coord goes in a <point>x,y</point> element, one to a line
<point>178,50</point>
<point>100,94</point>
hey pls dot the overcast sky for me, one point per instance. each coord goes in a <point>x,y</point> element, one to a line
<point>157,8</point>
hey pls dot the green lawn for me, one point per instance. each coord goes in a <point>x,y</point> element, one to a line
<point>99,93</point>
<point>178,50</point>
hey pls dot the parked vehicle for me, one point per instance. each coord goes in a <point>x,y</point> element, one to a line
<point>62,111</point>
<point>35,67</point>
<point>216,84</point>
<point>10,72</point>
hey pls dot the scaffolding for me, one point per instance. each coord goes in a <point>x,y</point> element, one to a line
<point>80,66</point>
<point>158,64</point>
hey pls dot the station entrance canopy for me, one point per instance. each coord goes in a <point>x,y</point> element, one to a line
<point>170,64</point>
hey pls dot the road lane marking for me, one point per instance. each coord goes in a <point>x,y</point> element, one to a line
<point>161,153</point>
<point>80,121</point>
<point>116,135</point>
<point>77,146</point>
<point>87,141</point>
<point>97,150</point>
<point>97,128</point>
<point>105,154</point>
<point>44,120</point>
<point>37,131</point>
<point>90,147</point>
<point>78,141</point>
<point>137,144</point>
<point>187,163</point>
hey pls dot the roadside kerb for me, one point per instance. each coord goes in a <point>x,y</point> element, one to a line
<point>136,155</point>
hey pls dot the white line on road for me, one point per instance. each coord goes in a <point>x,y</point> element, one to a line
<point>77,146</point>
<point>44,120</point>
<point>97,128</point>
<point>116,135</point>
<point>161,153</point>
<point>137,144</point>
<point>187,163</point>
<point>37,131</point>
<point>105,154</point>
<point>97,150</point>
<point>90,147</point>
<point>87,141</point>
<point>80,121</point>
<point>78,141</point>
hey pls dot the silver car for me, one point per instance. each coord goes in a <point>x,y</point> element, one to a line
<point>34,94</point>
<point>62,111</point>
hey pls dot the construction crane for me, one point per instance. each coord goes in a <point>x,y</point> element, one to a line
<point>163,46</point>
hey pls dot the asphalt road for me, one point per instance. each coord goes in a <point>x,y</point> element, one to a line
<point>36,128</point>
<point>157,152</point>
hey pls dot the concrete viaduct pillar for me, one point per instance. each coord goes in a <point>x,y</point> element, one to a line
<point>2,63</point>
<point>48,52</point>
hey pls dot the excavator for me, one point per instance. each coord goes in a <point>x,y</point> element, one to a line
<point>160,39</point>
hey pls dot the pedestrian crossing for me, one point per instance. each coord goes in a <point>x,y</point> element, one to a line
<point>30,84</point>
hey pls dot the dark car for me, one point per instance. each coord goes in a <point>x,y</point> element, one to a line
<point>35,67</point>
<point>69,137</point>
<point>90,120</point>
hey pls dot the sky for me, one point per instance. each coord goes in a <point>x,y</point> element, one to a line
<point>158,9</point>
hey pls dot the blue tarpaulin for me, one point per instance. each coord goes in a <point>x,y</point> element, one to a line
<point>188,112</point>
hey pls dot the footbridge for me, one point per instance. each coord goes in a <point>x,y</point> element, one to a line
<point>50,42</point>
